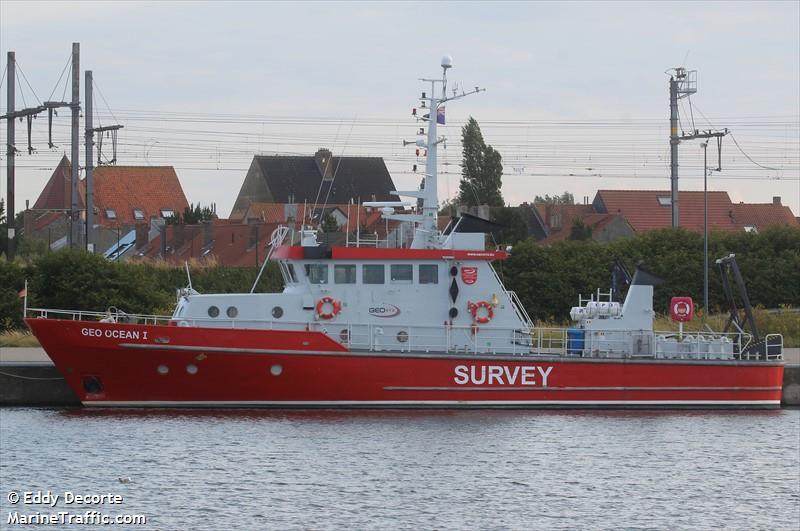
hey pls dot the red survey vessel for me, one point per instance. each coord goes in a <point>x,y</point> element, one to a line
<point>426,323</point>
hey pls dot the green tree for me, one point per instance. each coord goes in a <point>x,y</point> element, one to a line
<point>328,223</point>
<point>481,169</point>
<point>564,199</point>
<point>514,227</point>
<point>194,214</point>
<point>580,231</point>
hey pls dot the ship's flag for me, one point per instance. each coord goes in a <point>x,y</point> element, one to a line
<point>440,115</point>
<point>23,293</point>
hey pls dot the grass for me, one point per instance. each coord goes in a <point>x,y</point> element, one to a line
<point>18,338</point>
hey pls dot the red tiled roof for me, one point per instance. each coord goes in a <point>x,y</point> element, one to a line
<point>57,193</point>
<point>642,210</point>
<point>762,215</point>
<point>148,188</point>
<point>276,213</point>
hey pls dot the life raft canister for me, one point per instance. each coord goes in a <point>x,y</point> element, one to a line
<point>474,309</point>
<point>336,307</point>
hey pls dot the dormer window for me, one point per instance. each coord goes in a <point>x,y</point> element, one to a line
<point>138,214</point>
<point>751,228</point>
<point>665,201</point>
<point>111,213</point>
<point>167,213</point>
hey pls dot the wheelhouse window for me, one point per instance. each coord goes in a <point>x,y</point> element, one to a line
<point>317,273</point>
<point>138,214</point>
<point>344,274</point>
<point>373,274</point>
<point>402,273</point>
<point>428,274</point>
<point>111,213</point>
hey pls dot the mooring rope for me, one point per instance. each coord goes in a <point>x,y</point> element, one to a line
<point>28,377</point>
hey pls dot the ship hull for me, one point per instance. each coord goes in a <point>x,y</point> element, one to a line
<point>117,365</point>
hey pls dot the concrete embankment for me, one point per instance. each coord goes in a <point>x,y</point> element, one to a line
<point>28,378</point>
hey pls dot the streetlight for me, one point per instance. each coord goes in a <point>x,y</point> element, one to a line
<point>704,145</point>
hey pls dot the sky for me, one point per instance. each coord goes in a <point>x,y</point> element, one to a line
<point>576,92</point>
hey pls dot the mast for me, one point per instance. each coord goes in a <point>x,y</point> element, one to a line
<point>426,233</point>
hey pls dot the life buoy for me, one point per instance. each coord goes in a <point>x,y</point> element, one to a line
<point>474,309</point>
<point>336,307</point>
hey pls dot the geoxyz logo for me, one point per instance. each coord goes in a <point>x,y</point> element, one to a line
<point>384,310</point>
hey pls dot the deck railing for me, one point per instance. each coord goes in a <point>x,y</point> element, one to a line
<point>472,339</point>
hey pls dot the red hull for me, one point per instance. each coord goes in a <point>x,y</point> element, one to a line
<point>235,367</point>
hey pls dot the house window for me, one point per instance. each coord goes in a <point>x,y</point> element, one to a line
<point>138,214</point>
<point>167,213</point>
<point>402,273</point>
<point>317,273</point>
<point>428,274</point>
<point>373,274</point>
<point>751,228</point>
<point>344,274</point>
<point>665,201</point>
<point>111,213</point>
<point>555,221</point>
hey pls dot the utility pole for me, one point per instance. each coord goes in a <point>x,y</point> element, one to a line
<point>89,134</point>
<point>10,149</point>
<point>681,85</point>
<point>704,145</point>
<point>74,212</point>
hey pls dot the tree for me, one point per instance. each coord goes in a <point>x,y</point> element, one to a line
<point>328,223</point>
<point>481,169</point>
<point>564,199</point>
<point>580,231</point>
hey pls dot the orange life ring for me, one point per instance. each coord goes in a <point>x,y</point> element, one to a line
<point>474,308</point>
<point>336,307</point>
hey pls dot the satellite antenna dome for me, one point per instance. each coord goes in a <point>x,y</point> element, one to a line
<point>447,62</point>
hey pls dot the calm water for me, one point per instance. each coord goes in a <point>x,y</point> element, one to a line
<point>412,470</point>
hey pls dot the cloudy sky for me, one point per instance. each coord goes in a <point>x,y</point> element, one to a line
<point>576,99</point>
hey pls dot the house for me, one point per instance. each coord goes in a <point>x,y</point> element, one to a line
<point>651,209</point>
<point>319,179</point>
<point>124,197</point>
<point>553,222</point>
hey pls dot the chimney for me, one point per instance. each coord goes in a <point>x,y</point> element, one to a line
<point>776,200</point>
<point>324,159</point>
<point>142,230</point>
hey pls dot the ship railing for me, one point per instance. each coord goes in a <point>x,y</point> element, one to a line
<point>474,339</point>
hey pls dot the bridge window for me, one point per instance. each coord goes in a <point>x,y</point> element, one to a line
<point>317,273</point>
<point>402,273</point>
<point>428,274</point>
<point>374,274</point>
<point>344,274</point>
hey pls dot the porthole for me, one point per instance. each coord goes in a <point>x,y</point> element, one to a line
<point>213,311</point>
<point>276,370</point>
<point>232,311</point>
<point>277,312</point>
<point>163,369</point>
<point>402,336</point>
<point>191,368</point>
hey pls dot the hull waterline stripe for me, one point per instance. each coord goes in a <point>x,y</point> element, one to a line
<point>412,403</point>
<point>531,388</point>
<point>443,355</point>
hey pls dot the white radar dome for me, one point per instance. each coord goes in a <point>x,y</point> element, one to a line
<point>447,61</point>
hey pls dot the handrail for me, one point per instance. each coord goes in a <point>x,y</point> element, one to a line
<point>470,339</point>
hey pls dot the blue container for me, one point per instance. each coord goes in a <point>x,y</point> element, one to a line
<point>576,338</point>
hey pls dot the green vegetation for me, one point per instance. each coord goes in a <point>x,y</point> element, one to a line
<point>481,169</point>
<point>78,280</point>
<point>547,279</point>
<point>564,199</point>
